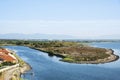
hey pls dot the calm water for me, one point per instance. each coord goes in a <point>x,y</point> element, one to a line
<point>50,68</point>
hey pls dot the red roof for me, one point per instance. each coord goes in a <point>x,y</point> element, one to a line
<point>4,51</point>
<point>4,55</point>
<point>7,58</point>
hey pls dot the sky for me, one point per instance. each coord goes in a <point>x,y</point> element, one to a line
<point>81,18</point>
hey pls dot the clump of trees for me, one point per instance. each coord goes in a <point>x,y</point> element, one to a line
<point>6,64</point>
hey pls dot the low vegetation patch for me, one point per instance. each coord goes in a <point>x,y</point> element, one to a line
<point>6,64</point>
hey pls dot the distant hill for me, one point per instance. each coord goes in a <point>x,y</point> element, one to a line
<point>53,36</point>
<point>35,36</point>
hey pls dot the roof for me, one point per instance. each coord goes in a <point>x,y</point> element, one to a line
<point>4,51</point>
<point>7,58</point>
<point>4,54</point>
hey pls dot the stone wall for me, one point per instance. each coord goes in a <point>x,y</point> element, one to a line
<point>10,73</point>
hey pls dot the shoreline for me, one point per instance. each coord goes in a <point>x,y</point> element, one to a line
<point>73,52</point>
<point>26,67</point>
<point>109,59</point>
<point>113,57</point>
<point>19,68</point>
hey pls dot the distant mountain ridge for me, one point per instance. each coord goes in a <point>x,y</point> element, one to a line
<point>53,36</point>
<point>35,36</point>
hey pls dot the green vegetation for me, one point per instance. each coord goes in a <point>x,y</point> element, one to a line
<point>68,59</point>
<point>78,53</point>
<point>20,61</point>
<point>40,44</point>
<point>6,64</point>
<point>70,51</point>
<point>23,79</point>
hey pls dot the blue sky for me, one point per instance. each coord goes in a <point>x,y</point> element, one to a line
<point>80,18</point>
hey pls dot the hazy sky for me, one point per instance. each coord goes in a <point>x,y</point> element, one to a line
<point>70,17</point>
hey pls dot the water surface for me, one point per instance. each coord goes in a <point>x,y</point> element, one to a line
<point>50,68</point>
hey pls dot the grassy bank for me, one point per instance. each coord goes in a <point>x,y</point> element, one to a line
<point>22,64</point>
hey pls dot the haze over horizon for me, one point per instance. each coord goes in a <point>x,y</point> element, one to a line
<point>79,18</point>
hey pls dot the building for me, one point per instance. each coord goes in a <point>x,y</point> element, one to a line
<point>6,56</point>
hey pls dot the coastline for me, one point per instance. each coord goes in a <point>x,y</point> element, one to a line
<point>113,57</point>
<point>109,59</point>
<point>14,72</point>
<point>26,67</point>
<point>73,52</point>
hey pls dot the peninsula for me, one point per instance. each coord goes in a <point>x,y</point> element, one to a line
<point>74,52</point>
<point>69,51</point>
